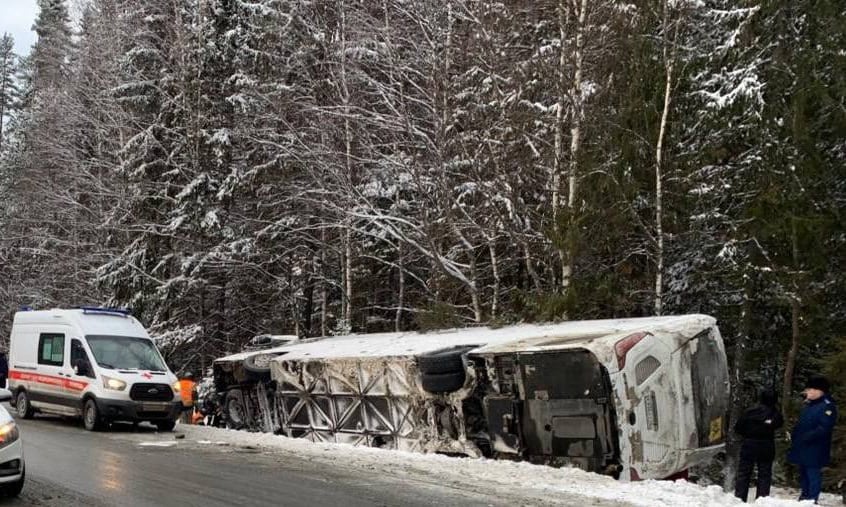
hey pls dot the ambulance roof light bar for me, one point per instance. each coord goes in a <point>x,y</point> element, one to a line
<point>96,310</point>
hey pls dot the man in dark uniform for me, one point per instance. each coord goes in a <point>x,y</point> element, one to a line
<point>811,437</point>
<point>757,426</point>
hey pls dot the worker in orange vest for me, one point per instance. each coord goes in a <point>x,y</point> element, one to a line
<point>187,391</point>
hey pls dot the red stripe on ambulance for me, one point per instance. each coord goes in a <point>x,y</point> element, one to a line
<point>25,376</point>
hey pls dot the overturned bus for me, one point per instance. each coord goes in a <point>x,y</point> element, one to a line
<point>632,398</point>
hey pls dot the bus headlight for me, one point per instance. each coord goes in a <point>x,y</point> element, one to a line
<point>8,433</point>
<point>113,383</point>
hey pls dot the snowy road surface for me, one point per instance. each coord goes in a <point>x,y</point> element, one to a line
<point>67,466</point>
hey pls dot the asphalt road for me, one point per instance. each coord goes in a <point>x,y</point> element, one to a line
<point>67,466</point>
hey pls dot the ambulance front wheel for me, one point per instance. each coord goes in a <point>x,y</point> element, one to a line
<point>91,418</point>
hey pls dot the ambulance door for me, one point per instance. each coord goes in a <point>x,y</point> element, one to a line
<point>81,372</point>
<point>47,387</point>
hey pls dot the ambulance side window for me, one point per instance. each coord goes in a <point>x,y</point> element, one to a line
<point>51,349</point>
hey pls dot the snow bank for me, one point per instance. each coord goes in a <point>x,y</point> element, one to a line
<point>513,478</point>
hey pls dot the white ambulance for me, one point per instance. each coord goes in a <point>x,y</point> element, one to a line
<point>97,363</point>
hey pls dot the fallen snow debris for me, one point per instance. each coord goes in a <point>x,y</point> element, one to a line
<point>530,480</point>
<point>211,442</point>
<point>157,444</point>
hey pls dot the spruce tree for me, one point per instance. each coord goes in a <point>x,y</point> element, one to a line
<point>8,86</point>
<point>52,48</point>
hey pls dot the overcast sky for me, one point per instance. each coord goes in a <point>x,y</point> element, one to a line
<point>16,17</point>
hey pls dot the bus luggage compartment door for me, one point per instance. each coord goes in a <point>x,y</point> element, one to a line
<point>567,414</point>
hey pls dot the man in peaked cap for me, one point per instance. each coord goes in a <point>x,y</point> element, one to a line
<point>811,438</point>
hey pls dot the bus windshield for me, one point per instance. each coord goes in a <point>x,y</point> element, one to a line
<point>125,353</point>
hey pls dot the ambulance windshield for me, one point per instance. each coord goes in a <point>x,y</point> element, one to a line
<point>125,353</point>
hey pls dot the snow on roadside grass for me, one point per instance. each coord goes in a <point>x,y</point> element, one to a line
<point>536,480</point>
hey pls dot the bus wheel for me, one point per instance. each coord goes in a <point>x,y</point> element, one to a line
<point>235,409</point>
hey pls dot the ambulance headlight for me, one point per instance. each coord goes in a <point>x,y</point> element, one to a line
<point>8,433</point>
<point>176,387</point>
<point>114,384</point>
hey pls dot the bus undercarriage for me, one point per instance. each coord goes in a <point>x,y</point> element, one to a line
<point>554,407</point>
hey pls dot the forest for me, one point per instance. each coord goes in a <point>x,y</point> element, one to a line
<point>227,168</point>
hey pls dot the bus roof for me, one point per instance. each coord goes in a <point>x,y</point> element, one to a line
<point>517,337</point>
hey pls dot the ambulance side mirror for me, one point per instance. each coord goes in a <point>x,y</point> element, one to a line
<point>81,367</point>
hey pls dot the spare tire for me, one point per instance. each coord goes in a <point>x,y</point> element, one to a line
<point>258,366</point>
<point>443,361</point>
<point>438,383</point>
<point>262,339</point>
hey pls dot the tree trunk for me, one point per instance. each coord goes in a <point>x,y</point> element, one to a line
<point>345,100</point>
<point>221,308</point>
<point>348,278</point>
<point>575,143</point>
<point>474,284</point>
<point>324,290</point>
<point>496,285</point>
<point>795,308</point>
<point>308,301</point>
<point>557,162</point>
<point>4,64</point>
<point>790,362</point>
<point>737,401</point>
<point>400,290</point>
<point>533,274</point>
<point>669,55</point>
<point>2,112</point>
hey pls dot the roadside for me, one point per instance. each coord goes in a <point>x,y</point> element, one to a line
<point>197,465</point>
<point>521,482</point>
<point>43,493</point>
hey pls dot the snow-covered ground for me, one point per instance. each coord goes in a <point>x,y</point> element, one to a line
<point>527,484</point>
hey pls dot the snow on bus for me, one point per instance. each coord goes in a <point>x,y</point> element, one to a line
<point>640,398</point>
